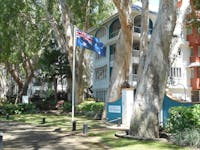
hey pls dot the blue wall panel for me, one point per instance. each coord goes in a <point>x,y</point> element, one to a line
<point>169,103</point>
<point>114,116</point>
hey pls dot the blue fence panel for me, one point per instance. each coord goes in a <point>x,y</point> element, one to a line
<point>169,103</point>
<point>114,111</point>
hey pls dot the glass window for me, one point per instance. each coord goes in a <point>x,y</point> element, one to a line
<point>112,51</point>
<point>175,72</point>
<point>199,51</point>
<point>100,95</point>
<point>100,73</point>
<point>101,34</point>
<point>114,28</point>
<point>191,51</point>
<point>198,69</point>
<point>192,72</point>
<point>97,56</point>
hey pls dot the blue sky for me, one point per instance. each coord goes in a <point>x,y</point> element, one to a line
<point>154,2</point>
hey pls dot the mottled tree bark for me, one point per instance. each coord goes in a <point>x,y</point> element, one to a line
<point>151,87</point>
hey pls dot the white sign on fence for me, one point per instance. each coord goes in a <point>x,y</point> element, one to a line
<point>114,109</point>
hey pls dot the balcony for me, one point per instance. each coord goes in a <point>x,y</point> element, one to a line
<point>195,83</point>
<point>137,29</point>
<point>135,53</point>
<point>134,77</point>
<point>194,59</point>
<point>193,38</point>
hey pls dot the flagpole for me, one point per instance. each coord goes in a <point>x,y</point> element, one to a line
<point>73,74</point>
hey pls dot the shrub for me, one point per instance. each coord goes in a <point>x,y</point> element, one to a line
<point>91,108</point>
<point>187,137</point>
<point>67,107</point>
<point>183,117</point>
<point>17,109</point>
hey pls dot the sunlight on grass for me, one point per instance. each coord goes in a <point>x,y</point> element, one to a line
<point>96,129</point>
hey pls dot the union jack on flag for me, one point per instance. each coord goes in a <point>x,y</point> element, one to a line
<point>87,41</point>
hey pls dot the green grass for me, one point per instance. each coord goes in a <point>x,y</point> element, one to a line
<point>96,129</point>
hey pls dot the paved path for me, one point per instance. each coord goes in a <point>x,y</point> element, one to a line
<point>21,136</point>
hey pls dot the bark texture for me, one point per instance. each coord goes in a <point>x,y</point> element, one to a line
<point>151,87</point>
<point>144,35</point>
<point>122,61</point>
<point>121,66</point>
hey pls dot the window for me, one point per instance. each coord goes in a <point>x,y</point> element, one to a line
<point>97,56</point>
<point>175,72</point>
<point>134,72</point>
<point>114,29</point>
<point>112,51</point>
<point>191,51</point>
<point>137,24</point>
<point>189,30</point>
<point>199,51</point>
<point>101,34</point>
<point>198,69</point>
<point>100,73</point>
<point>100,95</point>
<point>192,72</point>
<point>195,96</point>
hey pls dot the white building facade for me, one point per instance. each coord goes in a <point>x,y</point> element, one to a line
<point>180,73</point>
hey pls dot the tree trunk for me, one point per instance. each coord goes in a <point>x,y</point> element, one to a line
<point>151,87</point>
<point>55,85</point>
<point>122,60</point>
<point>144,35</point>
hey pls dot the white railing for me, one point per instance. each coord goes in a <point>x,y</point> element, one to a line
<point>135,53</point>
<point>134,77</point>
<point>137,29</point>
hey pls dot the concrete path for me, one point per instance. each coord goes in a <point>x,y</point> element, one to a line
<point>21,136</point>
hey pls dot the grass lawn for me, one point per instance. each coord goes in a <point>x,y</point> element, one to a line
<point>97,129</point>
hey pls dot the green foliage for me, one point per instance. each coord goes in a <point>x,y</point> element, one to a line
<point>67,107</point>
<point>197,4</point>
<point>187,137</point>
<point>17,109</point>
<point>183,117</point>
<point>91,108</point>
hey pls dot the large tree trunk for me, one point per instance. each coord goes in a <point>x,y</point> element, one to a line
<point>22,84</point>
<point>122,61</point>
<point>66,43</point>
<point>144,35</point>
<point>151,87</point>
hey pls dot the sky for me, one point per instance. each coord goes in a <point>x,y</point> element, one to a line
<point>154,4</point>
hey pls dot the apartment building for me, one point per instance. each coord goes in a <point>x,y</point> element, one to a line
<point>184,73</point>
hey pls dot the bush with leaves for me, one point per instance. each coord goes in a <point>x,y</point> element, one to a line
<point>90,108</point>
<point>9,108</point>
<point>183,117</point>
<point>184,125</point>
<point>187,137</point>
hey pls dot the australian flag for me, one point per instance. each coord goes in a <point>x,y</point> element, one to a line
<point>87,41</point>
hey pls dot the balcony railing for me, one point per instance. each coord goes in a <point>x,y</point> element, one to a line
<point>137,29</point>
<point>113,34</point>
<point>135,53</point>
<point>134,77</point>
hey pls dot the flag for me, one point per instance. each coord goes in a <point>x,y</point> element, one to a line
<point>87,41</point>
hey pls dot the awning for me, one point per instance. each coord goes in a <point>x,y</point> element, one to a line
<point>194,64</point>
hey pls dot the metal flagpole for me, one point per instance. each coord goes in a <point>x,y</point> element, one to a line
<point>73,74</point>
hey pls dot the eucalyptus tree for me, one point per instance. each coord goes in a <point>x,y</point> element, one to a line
<point>22,34</point>
<point>63,15</point>
<point>151,86</point>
